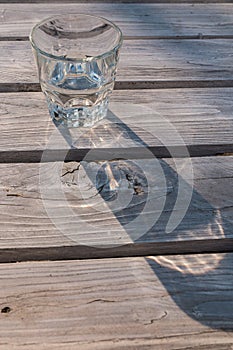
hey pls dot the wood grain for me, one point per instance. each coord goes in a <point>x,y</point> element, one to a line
<point>118,1</point>
<point>141,60</point>
<point>176,302</point>
<point>137,120</point>
<point>159,20</point>
<point>94,209</point>
<point>67,211</point>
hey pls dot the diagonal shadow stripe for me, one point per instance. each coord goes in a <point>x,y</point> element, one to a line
<point>200,215</point>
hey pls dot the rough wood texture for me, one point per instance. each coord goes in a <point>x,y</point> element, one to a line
<point>132,204</point>
<point>159,20</point>
<point>76,206</point>
<point>118,1</point>
<point>201,118</point>
<point>141,60</point>
<point>173,302</point>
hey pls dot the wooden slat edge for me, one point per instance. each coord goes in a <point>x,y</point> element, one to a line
<point>128,250</point>
<point>35,156</point>
<point>118,304</point>
<point>120,1</point>
<point>131,85</point>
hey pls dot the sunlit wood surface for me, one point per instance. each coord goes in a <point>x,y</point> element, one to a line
<point>120,237</point>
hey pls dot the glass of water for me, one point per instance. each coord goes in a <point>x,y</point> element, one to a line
<point>77,56</point>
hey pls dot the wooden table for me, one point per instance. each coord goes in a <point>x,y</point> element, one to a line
<point>85,265</point>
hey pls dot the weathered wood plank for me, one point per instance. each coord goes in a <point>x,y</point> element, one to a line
<point>201,118</point>
<point>173,302</point>
<point>159,20</point>
<point>141,60</point>
<point>118,1</point>
<point>67,211</point>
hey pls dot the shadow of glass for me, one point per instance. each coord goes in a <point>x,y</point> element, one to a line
<point>201,285</point>
<point>198,284</point>
<point>127,164</point>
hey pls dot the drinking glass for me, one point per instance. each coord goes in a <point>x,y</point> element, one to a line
<point>76,56</point>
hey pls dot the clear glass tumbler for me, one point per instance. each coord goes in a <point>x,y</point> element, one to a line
<point>77,56</point>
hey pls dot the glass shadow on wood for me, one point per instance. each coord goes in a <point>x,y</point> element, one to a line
<point>195,284</point>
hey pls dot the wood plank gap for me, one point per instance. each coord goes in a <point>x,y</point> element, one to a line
<point>130,85</point>
<point>14,38</point>
<point>166,84</point>
<point>34,156</point>
<point>177,37</point>
<point>10,255</point>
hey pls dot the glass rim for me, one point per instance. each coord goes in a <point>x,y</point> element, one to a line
<point>85,59</point>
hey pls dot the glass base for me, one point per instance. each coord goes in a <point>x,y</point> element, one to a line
<point>78,116</point>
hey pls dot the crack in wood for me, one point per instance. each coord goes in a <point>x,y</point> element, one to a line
<point>14,195</point>
<point>101,301</point>
<point>153,320</point>
<point>72,171</point>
